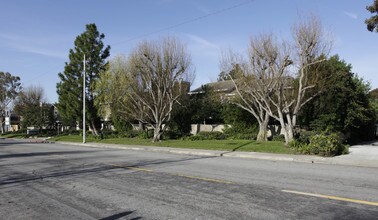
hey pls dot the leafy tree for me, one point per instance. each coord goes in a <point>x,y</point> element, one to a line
<point>207,107</point>
<point>235,73</point>
<point>33,109</point>
<point>374,101</point>
<point>10,87</point>
<point>344,104</point>
<point>374,94</point>
<point>243,125</point>
<point>372,22</point>
<point>111,89</point>
<point>237,117</point>
<point>180,124</point>
<point>70,88</point>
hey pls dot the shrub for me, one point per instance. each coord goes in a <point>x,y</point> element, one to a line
<point>107,133</point>
<point>303,136</point>
<point>194,138</point>
<point>241,133</point>
<point>319,144</point>
<point>129,134</point>
<point>216,135</point>
<point>327,145</point>
<point>280,137</point>
<point>173,134</point>
<point>146,134</point>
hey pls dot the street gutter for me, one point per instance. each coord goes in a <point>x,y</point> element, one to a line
<point>351,159</point>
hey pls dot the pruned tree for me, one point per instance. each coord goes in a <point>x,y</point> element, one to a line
<point>157,71</point>
<point>297,76</point>
<point>10,86</point>
<point>70,88</point>
<point>372,22</point>
<point>264,70</point>
<point>278,76</point>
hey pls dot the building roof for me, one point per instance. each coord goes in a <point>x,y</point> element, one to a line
<point>226,86</point>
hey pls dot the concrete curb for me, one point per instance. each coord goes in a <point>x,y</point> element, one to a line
<point>339,160</point>
<point>360,155</point>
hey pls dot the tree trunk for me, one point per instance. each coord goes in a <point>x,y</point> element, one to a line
<point>263,129</point>
<point>157,134</point>
<point>287,129</point>
<point>93,128</point>
<point>140,126</point>
<point>2,124</point>
<point>288,133</point>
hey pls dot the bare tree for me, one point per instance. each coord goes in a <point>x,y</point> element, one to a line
<point>278,76</point>
<point>311,46</point>
<point>156,72</point>
<point>251,86</point>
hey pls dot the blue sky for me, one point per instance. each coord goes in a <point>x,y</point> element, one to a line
<point>35,36</point>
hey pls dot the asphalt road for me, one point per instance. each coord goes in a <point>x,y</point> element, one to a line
<point>53,181</point>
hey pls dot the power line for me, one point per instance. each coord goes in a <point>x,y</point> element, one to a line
<point>42,74</point>
<point>169,28</point>
<point>186,22</point>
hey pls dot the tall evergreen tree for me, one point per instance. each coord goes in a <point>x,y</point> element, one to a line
<point>372,22</point>
<point>70,88</point>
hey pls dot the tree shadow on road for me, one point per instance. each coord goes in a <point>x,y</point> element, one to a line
<point>34,154</point>
<point>120,215</point>
<point>89,169</point>
<point>236,148</point>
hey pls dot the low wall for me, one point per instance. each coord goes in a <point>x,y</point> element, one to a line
<point>196,128</point>
<point>273,130</point>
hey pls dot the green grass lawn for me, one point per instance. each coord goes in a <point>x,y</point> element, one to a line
<point>13,135</point>
<point>224,145</point>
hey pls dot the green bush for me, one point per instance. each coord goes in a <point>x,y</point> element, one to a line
<point>146,134</point>
<point>241,133</point>
<point>72,132</point>
<point>129,134</point>
<point>194,138</point>
<point>280,137</point>
<point>320,144</point>
<point>216,135</point>
<point>327,145</point>
<point>173,134</point>
<point>107,133</point>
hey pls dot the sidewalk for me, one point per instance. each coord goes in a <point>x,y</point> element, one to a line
<point>360,155</point>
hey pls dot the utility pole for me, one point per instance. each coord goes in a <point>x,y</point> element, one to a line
<point>84,77</point>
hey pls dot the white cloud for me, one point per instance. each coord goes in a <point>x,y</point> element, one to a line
<point>40,51</point>
<point>28,45</point>
<point>203,43</point>
<point>350,14</point>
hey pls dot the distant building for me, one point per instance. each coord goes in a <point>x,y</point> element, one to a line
<point>224,89</point>
<point>12,122</point>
